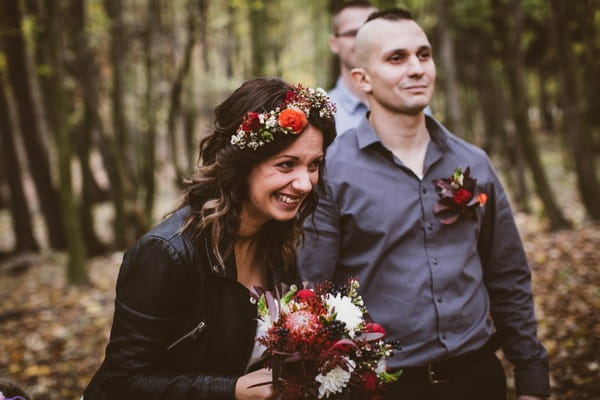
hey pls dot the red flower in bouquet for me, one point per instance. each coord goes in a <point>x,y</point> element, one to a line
<point>320,345</point>
<point>458,196</point>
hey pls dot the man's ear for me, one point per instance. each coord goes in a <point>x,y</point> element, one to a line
<point>360,78</point>
<point>333,44</point>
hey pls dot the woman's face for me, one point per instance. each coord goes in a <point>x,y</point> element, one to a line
<point>278,185</point>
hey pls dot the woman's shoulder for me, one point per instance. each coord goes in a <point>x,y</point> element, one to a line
<point>162,263</point>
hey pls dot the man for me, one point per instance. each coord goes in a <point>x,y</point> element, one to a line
<point>351,102</point>
<point>440,274</point>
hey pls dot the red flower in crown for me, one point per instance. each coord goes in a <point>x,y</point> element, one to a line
<point>290,96</point>
<point>251,122</point>
<point>457,196</point>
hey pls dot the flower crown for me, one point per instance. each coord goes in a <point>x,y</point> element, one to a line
<point>291,117</point>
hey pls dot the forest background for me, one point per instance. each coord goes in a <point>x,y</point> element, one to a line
<point>103,102</point>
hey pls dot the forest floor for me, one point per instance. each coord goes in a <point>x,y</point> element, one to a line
<point>52,336</point>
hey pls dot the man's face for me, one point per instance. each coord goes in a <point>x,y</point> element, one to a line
<point>346,25</point>
<point>399,72</point>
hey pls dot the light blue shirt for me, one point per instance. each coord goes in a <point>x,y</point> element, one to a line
<point>350,109</point>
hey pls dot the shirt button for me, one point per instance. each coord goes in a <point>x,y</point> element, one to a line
<point>434,261</point>
<point>252,300</point>
<point>429,227</point>
<point>439,299</point>
<point>424,190</point>
<point>215,268</point>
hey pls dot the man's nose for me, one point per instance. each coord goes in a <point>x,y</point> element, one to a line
<point>415,67</point>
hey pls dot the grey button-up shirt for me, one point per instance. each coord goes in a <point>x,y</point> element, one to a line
<point>438,289</point>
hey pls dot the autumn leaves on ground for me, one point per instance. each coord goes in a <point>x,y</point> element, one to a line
<point>52,337</point>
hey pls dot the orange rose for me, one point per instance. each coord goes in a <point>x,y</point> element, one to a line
<point>293,119</point>
<point>482,198</point>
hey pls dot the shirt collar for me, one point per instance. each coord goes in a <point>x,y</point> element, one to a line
<point>367,135</point>
<point>347,99</point>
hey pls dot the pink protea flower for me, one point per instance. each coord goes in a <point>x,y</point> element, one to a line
<point>302,323</point>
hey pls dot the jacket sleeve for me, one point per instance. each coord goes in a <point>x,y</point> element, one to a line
<point>508,280</point>
<point>318,254</point>
<point>151,294</point>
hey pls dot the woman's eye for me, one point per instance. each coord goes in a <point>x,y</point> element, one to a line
<point>286,165</point>
<point>315,165</point>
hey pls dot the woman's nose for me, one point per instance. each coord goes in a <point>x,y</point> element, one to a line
<point>302,182</point>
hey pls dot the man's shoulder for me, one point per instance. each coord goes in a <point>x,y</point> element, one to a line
<point>461,146</point>
<point>344,146</point>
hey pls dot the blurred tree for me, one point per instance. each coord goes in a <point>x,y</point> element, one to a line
<point>36,150</point>
<point>258,22</point>
<point>122,173</point>
<point>82,66</point>
<point>577,126</point>
<point>176,95</point>
<point>455,119</point>
<point>507,17</point>
<point>19,209</point>
<point>58,118</point>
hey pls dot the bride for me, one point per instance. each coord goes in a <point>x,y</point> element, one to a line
<point>185,319</point>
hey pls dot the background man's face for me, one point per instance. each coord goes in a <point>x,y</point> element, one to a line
<point>346,25</point>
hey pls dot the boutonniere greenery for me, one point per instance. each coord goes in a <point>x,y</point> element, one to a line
<point>458,196</point>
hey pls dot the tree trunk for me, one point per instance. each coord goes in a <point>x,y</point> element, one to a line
<point>175,97</point>
<point>453,106</point>
<point>148,158</point>
<point>19,210</point>
<point>258,16</point>
<point>91,191</point>
<point>120,170</point>
<point>514,72</point>
<point>579,135</point>
<point>37,155</point>
<point>546,116</point>
<point>58,117</point>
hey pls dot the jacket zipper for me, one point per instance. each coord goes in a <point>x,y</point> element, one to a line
<point>194,333</point>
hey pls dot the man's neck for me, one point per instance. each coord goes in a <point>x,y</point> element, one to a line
<point>405,135</point>
<point>347,81</point>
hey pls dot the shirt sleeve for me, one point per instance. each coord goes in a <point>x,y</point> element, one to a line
<point>318,254</point>
<point>508,280</point>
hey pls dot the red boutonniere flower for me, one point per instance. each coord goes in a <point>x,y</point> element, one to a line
<point>458,196</point>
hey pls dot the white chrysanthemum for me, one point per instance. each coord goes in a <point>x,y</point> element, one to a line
<point>346,311</point>
<point>335,380</point>
<point>381,366</point>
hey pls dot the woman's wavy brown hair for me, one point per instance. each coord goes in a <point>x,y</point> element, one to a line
<point>217,189</point>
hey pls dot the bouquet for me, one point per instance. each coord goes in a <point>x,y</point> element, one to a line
<point>320,344</point>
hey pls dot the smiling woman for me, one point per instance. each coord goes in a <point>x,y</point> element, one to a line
<point>185,316</point>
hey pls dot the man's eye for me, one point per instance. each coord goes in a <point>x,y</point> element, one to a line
<point>425,55</point>
<point>396,58</point>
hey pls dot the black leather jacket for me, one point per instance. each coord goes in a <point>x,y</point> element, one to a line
<point>182,328</point>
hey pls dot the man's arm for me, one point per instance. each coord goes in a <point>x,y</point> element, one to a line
<point>318,254</point>
<point>508,280</point>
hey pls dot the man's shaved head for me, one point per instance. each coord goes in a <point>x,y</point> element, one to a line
<point>370,33</point>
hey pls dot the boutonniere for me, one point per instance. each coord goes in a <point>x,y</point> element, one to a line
<point>458,196</point>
